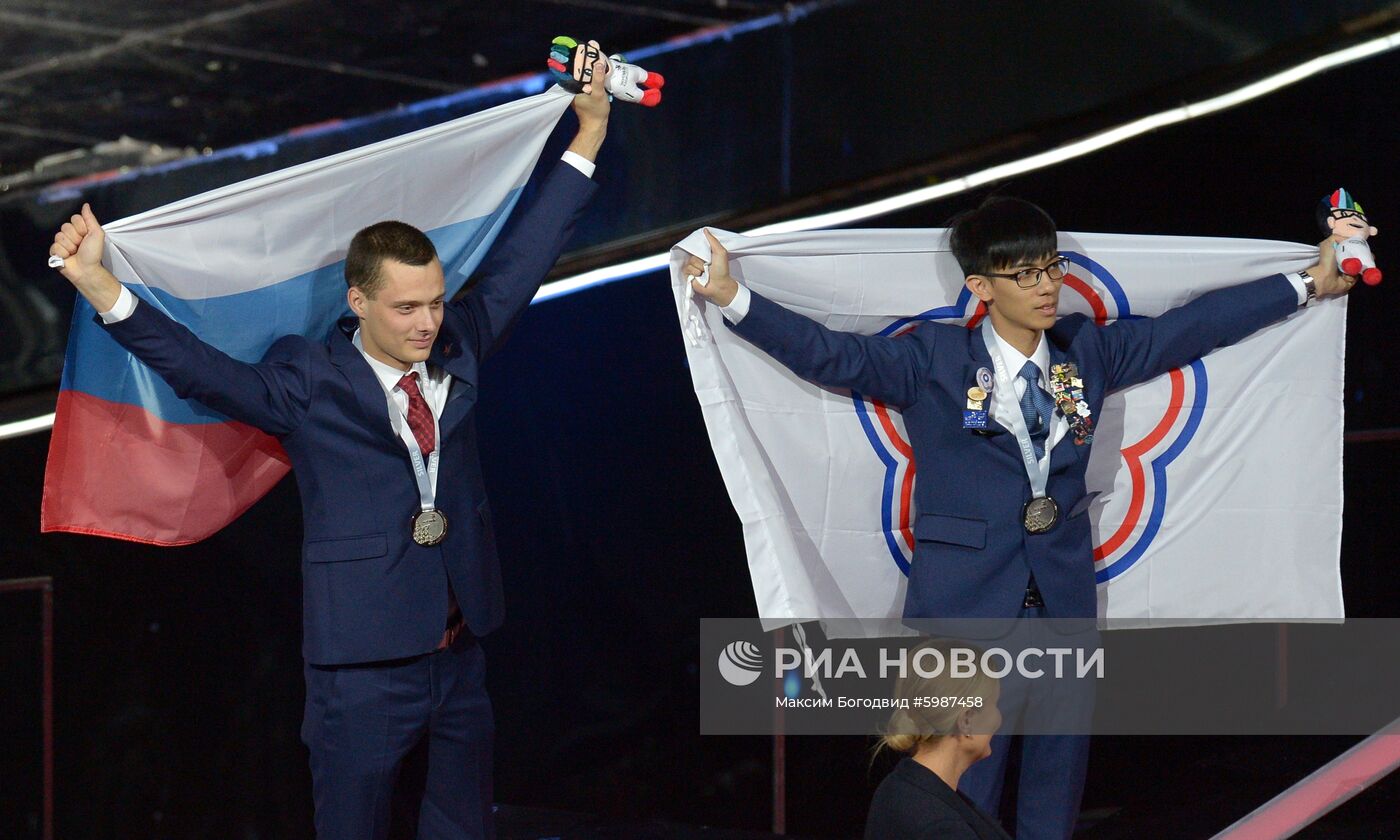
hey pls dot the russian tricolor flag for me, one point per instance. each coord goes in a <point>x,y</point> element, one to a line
<point>242,266</point>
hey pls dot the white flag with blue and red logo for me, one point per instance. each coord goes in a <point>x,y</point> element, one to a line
<point>1219,484</point>
<point>242,266</point>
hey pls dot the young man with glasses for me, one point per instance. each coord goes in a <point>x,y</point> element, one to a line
<point>1006,411</point>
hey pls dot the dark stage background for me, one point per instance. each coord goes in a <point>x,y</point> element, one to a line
<point>178,670</point>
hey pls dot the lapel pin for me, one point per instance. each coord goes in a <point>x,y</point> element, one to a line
<point>985,380</point>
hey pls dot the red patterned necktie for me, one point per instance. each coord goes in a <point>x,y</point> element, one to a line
<point>420,417</point>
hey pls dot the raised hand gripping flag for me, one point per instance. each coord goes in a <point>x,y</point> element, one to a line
<point>1219,485</point>
<point>242,266</point>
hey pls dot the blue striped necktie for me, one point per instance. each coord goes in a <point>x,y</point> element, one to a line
<point>1036,407</point>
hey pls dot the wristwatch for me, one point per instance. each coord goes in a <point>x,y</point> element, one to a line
<point>1309,285</point>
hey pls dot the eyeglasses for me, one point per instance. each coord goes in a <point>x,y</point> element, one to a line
<point>1028,278</point>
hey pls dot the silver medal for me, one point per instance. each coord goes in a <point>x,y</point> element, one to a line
<point>429,527</point>
<point>1040,514</point>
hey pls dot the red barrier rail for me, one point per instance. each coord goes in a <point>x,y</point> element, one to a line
<point>1322,790</point>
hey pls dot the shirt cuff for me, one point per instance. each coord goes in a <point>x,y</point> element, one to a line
<point>580,163</point>
<point>1298,287</point>
<point>738,307</point>
<point>122,309</point>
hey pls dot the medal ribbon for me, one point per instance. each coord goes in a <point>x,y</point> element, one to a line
<point>1038,474</point>
<point>424,474</point>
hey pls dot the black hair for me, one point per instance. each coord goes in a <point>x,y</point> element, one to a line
<point>1001,233</point>
<point>1324,212</point>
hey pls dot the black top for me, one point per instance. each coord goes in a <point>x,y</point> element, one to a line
<point>913,803</point>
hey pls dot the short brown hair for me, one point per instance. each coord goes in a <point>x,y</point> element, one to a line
<point>382,241</point>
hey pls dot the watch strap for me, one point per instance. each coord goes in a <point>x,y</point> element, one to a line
<point>1309,285</point>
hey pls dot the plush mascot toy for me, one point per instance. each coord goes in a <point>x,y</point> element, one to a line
<point>572,65</point>
<point>1342,219</point>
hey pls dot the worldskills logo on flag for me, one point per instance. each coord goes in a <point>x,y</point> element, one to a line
<point>1128,519</point>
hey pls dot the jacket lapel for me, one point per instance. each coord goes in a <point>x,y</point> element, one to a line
<point>449,353</point>
<point>999,434</point>
<point>1058,356</point>
<point>366,388</point>
<point>1065,451</point>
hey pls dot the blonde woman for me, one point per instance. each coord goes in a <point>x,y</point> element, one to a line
<point>947,726</point>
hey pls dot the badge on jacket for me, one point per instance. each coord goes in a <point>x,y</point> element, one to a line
<point>975,415</point>
<point>1067,390</point>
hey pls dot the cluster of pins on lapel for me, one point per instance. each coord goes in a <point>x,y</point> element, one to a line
<point>1067,389</point>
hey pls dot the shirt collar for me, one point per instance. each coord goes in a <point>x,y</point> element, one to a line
<point>1015,360</point>
<point>388,375</point>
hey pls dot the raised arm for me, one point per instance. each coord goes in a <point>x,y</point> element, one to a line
<point>880,367</point>
<point>518,263</point>
<point>79,244</point>
<point>271,395</point>
<point>1141,349</point>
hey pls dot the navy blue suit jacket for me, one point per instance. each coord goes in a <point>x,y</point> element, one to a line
<point>369,592</point>
<point>973,557</point>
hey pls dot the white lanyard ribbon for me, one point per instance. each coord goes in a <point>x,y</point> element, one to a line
<point>1038,475</point>
<point>424,474</point>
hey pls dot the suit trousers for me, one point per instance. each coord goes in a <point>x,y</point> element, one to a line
<point>1053,766</point>
<point>360,722</point>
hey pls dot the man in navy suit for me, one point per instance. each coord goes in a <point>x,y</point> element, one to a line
<point>400,575</point>
<point>1001,407</point>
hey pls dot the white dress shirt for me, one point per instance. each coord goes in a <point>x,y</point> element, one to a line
<point>1004,410</point>
<point>433,383</point>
